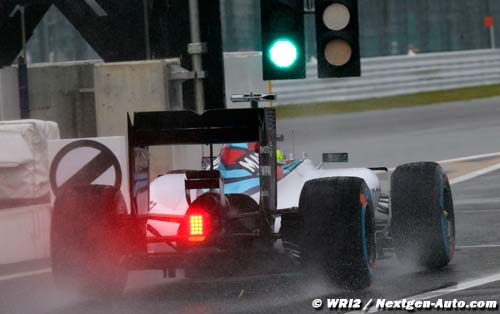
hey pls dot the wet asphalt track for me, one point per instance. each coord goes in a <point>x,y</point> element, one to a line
<point>449,131</point>
<point>392,137</point>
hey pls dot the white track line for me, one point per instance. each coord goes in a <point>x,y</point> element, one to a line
<point>474,174</point>
<point>471,157</point>
<point>477,201</point>
<point>479,246</point>
<point>468,158</point>
<point>477,211</point>
<point>26,274</point>
<point>437,293</point>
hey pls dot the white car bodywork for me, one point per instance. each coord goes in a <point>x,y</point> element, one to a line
<point>167,194</point>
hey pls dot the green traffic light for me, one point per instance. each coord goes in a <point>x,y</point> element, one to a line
<point>283,53</point>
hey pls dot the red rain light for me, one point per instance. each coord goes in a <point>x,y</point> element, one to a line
<point>196,228</point>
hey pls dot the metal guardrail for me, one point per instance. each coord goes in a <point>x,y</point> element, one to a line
<point>396,75</point>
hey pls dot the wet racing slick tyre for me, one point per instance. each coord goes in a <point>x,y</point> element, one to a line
<point>423,218</point>
<point>339,235</point>
<point>87,242</point>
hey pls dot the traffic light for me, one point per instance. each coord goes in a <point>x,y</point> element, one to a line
<point>283,44</point>
<point>337,38</point>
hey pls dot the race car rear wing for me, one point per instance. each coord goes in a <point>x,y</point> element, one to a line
<point>188,127</point>
<point>211,127</point>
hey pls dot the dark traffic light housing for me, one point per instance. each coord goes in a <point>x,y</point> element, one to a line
<point>337,38</point>
<point>283,43</point>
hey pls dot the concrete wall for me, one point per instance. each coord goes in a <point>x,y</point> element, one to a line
<point>127,87</point>
<point>63,92</point>
<point>9,94</point>
<point>123,87</point>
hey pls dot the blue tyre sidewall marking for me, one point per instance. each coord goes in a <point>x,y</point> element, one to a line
<point>363,232</point>
<point>442,218</point>
<point>441,191</point>
<point>443,234</point>
<point>367,196</point>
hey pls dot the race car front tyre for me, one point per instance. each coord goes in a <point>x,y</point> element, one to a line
<point>338,237</point>
<point>423,218</point>
<point>87,242</point>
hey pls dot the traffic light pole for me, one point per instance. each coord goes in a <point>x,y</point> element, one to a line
<point>492,36</point>
<point>19,8</point>
<point>309,7</point>
<point>24,102</point>
<point>196,48</point>
<point>147,41</point>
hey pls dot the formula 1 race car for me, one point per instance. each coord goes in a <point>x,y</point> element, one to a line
<point>244,208</point>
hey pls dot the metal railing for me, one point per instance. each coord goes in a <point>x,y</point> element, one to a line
<point>396,75</point>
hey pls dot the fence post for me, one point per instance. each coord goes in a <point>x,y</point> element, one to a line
<point>24,100</point>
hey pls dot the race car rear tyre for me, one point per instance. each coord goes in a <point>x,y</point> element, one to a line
<point>87,242</point>
<point>339,235</point>
<point>423,218</point>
